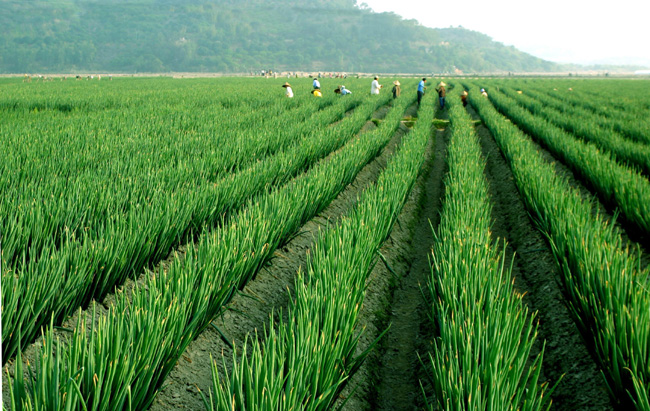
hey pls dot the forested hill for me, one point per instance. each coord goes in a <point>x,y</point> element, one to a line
<point>127,36</point>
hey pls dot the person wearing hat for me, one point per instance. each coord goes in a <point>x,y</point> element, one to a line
<point>343,91</point>
<point>289,92</point>
<point>421,89</point>
<point>396,89</point>
<point>463,98</point>
<point>483,92</point>
<point>442,93</point>
<point>375,86</point>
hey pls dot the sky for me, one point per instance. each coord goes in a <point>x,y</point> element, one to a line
<point>564,31</point>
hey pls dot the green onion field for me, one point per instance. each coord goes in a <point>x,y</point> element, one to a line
<point>210,244</point>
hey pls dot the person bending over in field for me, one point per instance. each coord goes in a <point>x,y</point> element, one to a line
<point>463,98</point>
<point>316,84</point>
<point>341,90</point>
<point>289,92</point>
<point>396,89</point>
<point>317,93</point>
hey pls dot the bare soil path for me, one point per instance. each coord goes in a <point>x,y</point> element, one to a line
<point>398,386</point>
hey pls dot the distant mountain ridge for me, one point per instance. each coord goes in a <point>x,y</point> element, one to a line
<point>127,36</point>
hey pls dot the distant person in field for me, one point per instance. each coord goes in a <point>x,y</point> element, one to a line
<point>483,92</point>
<point>341,90</point>
<point>316,84</point>
<point>375,86</point>
<point>421,88</point>
<point>442,93</point>
<point>289,91</point>
<point>317,93</point>
<point>396,89</point>
<point>463,98</point>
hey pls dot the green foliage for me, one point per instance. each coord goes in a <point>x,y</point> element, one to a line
<point>97,189</point>
<point>616,183</point>
<point>481,359</point>
<point>237,36</point>
<point>589,127</point>
<point>605,284</point>
<point>130,350</point>
<point>305,363</point>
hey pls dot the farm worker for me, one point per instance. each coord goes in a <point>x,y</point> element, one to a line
<point>483,92</point>
<point>421,88</point>
<point>396,89</point>
<point>442,93</point>
<point>289,92</point>
<point>344,91</point>
<point>375,86</point>
<point>463,98</point>
<point>316,84</point>
<point>317,93</point>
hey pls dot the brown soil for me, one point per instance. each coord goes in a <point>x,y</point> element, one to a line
<point>397,379</point>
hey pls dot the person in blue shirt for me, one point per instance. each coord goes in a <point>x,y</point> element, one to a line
<point>421,89</point>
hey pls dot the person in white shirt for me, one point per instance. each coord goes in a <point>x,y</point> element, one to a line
<point>316,84</point>
<point>289,92</point>
<point>342,90</point>
<point>375,86</point>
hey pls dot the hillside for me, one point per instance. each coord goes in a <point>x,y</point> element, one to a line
<point>126,36</point>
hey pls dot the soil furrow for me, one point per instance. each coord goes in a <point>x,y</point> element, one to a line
<point>393,370</point>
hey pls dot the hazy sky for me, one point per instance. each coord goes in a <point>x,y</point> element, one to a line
<point>566,31</point>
